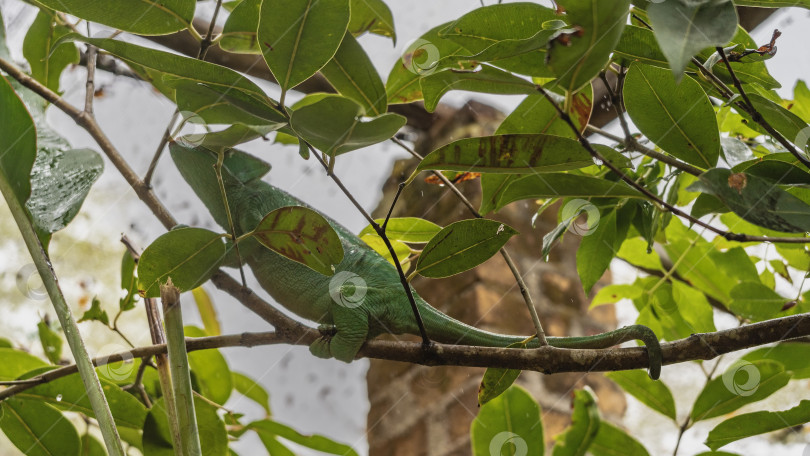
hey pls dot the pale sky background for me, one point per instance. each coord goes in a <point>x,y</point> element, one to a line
<point>312,395</point>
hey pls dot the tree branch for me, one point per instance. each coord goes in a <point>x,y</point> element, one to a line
<point>548,359</point>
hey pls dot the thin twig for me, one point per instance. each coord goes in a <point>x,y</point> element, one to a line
<point>638,147</point>
<point>756,116</point>
<point>90,88</point>
<point>147,178</point>
<point>380,232</point>
<point>630,142</point>
<point>524,290</point>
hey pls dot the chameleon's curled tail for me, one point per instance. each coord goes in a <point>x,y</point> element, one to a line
<point>444,329</point>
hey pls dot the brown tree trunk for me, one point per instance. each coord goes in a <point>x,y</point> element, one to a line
<point>418,410</point>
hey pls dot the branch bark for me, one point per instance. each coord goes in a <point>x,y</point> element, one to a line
<point>547,359</point>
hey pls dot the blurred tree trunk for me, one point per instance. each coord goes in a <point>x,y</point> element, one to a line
<point>418,410</point>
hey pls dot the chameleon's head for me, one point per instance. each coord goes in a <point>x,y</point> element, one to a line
<point>197,166</point>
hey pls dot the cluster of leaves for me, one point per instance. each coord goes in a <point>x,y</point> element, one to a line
<point>39,420</point>
<point>673,89</point>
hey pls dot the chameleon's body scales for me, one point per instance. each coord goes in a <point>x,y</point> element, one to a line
<point>384,308</point>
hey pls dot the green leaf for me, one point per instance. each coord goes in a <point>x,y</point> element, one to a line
<point>4,54</point>
<point>335,125</point>
<point>302,235</point>
<point>694,307</point>
<point>252,390</point>
<point>638,44</point>
<point>298,37</point>
<point>596,250</point>
<point>756,200</point>
<point>742,383</point>
<point>189,256</point>
<point>95,313</point>
<point>143,17</point>
<point>508,425</point>
<point>615,292</point>
<point>353,75</point>
<point>510,154</point>
<point>219,105</point>
<point>774,3</point>
<point>371,16</point>
<point>68,394</point>
<point>486,79</point>
<point>377,243</point>
<point>461,246</point>
<point>793,355</point>
<point>51,341</point>
<point>210,370</point>
<point>166,70</point>
<point>128,282</point>
<point>208,313</point>
<point>679,118</point>
<point>612,441</point>
<point>47,64</point>
<point>18,146</point>
<point>597,29</point>
<point>535,114</point>
<point>268,429</point>
<point>585,424</point>
<point>495,382</point>
<point>492,185</point>
<point>653,394</point>
<point>157,437</point>
<point>420,58</point>
<point>17,362</point>
<point>92,447</point>
<point>685,28</point>
<point>556,185</point>
<point>406,229</point>
<point>791,126</point>
<point>38,429</point>
<point>60,181</point>
<point>755,301</point>
<point>239,32</point>
<point>756,423</point>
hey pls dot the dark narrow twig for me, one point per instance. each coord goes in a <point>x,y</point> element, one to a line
<point>204,45</point>
<point>207,39</point>
<point>630,142</point>
<point>147,178</point>
<point>393,204</point>
<point>638,147</point>
<point>380,232</point>
<point>651,196</point>
<point>756,116</point>
<point>524,289</point>
<point>90,88</point>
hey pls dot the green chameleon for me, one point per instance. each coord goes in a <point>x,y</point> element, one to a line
<point>364,298</point>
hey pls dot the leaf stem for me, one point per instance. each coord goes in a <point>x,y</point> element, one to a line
<point>178,365</point>
<point>92,385</point>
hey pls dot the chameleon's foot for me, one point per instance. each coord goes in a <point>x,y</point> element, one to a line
<point>327,330</point>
